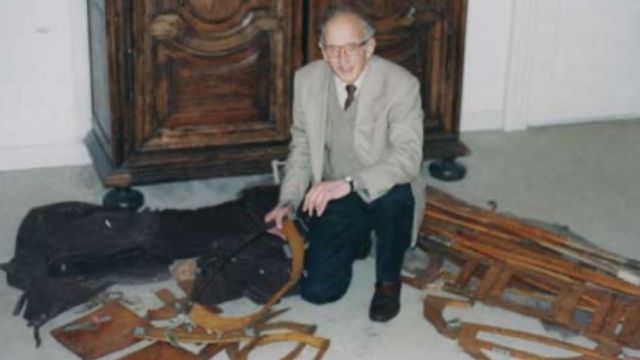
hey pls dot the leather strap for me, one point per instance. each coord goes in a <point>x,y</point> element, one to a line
<point>205,318</point>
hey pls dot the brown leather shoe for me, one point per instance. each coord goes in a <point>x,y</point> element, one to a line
<point>385,304</point>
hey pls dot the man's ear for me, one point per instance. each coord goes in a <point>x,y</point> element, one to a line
<point>370,47</point>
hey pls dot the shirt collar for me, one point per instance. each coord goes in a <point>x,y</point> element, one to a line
<point>341,84</point>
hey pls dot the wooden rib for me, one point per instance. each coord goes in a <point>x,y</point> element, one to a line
<point>544,264</point>
<point>631,325</point>
<point>466,272</point>
<point>440,217</point>
<point>319,343</point>
<point>428,275</point>
<point>469,341</point>
<point>432,309</point>
<point>566,303</point>
<point>198,336</point>
<point>510,225</point>
<point>501,283</point>
<point>286,325</point>
<point>488,281</point>
<point>600,314</point>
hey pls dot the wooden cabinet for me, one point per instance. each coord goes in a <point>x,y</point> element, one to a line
<point>187,89</point>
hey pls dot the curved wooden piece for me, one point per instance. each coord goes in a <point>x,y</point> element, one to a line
<point>303,328</point>
<point>281,325</point>
<point>428,275</point>
<point>432,309</point>
<point>179,335</point>
<point>190,34</point>
<point>200,316</point>
<point>167,27</point>
<point>222,16</point>
<point>469,341</point>
<point>173,306</point>
<point>319,343</point>
<point>295,332</point>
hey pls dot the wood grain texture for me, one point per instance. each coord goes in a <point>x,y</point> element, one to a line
<point>107,337</point>
<point>160,350</point>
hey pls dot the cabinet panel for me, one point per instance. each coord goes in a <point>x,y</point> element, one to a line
<point>206,87</point>
<point>110,42</point>
<point>100,68</point>
<point>218,73</point>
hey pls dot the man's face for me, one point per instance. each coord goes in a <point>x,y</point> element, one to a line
<point>344,49</point>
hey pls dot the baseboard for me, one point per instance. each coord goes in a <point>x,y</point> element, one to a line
<point>588,119</point>
<point>39,156</point>
<point>482,120</point>
<point>30,157</point>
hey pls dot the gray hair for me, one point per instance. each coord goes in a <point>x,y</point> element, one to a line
<point>367,29</point>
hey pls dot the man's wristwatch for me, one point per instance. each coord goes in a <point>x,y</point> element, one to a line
<point>349,181</point>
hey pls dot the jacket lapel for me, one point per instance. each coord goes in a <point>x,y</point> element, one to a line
<point>317,117</point>
<point>369,92</point>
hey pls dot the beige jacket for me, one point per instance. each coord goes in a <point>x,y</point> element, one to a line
<point>388,132</point>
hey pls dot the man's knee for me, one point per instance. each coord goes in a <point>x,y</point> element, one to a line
<point>321,293</point>
<point>399,198</point>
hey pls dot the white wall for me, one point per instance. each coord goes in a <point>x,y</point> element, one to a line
<point>572,61</point>
<point>593,71</point>
<point>486,55</point>
<point>528,63</point>
<point>44,83</point>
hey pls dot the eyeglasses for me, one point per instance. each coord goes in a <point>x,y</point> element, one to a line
<point>333,51</point>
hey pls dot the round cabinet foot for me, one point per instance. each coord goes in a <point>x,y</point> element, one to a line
<point>123,198</point>
<point>447,170</point>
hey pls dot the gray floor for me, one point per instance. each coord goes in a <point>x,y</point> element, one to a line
<point>584,176</point>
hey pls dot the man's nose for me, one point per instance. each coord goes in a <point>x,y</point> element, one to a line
<point>343,55</point>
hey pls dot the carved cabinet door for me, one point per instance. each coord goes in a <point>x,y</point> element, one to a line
<point>206,85</point>
<point>427,38</point>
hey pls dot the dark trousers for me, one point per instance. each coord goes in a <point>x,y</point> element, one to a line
<point>344,228</point>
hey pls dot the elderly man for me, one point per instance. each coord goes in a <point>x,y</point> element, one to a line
<point>355,152</point>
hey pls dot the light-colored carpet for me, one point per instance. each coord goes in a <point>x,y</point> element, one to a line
<point>584,176</point>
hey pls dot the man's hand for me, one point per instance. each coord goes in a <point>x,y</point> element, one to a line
<point>321,193</point>
<point>276,215</point>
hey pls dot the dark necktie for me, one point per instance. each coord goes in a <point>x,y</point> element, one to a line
<point>351,91</point>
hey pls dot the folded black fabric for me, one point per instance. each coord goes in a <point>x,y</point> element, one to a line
<point>68,252</point>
